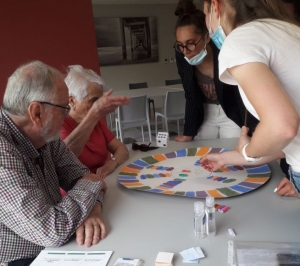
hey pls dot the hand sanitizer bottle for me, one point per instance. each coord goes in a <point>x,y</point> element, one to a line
<point>199,219</point>
<point>210,216</point>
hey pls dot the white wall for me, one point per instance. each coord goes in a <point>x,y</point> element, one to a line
<point>118,77</point>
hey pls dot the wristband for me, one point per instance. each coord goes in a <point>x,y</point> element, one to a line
<point>249,159</point>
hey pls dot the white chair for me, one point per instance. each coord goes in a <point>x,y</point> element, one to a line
<point>174,109</point>
<point>132,115</point>
<point>143,85</point>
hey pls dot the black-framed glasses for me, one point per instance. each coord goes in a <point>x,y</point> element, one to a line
<point>190,46</point>
<point>66,111</point>
<point>142,147</point>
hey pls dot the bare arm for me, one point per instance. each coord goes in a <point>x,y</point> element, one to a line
<point>214,161</point>
<point>279,120</point>
<point>119,151</point>
<point>80,135</point>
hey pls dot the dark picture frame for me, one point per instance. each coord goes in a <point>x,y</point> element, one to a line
<point>126,40</point>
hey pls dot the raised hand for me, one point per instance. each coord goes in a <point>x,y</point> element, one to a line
<point>108,103</point>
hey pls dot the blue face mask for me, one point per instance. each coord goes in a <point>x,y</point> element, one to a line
<point>197,59</point>
<point>218,37</point>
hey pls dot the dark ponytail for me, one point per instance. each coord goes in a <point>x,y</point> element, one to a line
<point>188,15</point>
<point>248,10</point>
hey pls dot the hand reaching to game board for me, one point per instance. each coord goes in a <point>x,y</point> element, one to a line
<point>213,161</point>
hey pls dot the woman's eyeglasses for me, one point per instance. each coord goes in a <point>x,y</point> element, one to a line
<point>142,147</point>
<point>190,46</point>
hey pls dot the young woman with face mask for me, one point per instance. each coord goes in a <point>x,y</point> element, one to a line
<point>212,109</point>
<point>260,52</point>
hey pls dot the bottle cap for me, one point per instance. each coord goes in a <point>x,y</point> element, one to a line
<point>210,201</point>
<point>198,207</point>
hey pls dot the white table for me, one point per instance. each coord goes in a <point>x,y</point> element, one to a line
<point>141,224</point>
<point>150,92</point>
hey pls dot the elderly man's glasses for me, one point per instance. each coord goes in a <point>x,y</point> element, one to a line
<point>190,47</point>
<point>66,111</point>
<point>142,147</point>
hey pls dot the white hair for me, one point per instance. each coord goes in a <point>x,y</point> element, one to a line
<point>78,79</point>
<point>34,81</point>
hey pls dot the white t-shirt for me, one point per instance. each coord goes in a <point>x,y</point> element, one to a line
<point>276,44</point>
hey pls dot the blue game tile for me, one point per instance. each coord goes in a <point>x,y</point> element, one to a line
<point>181,153</point>
<point>190,194</point>
<point>241,188</point>
<point>140,163</point>
<point>262,169</point>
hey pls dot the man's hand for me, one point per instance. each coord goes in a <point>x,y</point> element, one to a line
<point>182,138</point>
<point>107,104</point>
<point>92,229</point>
<point>287,189</point>
<point>243,140</point>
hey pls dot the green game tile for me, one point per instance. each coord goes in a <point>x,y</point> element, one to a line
<point>179,193</point>
<point>179,179</point>
<point>149,176</point>
<point>125,173</point>
<point>229,180</point>
<point>150,160</point>
<point>141,188</point>
<point>228,192</point>
<point>191,151</point>
<point>150,166</point>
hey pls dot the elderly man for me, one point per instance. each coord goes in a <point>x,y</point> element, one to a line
<point>35,163</point>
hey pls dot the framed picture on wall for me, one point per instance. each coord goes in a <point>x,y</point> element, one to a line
<point>122,41</point>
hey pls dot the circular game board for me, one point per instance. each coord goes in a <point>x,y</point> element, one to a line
<point>180,173</point>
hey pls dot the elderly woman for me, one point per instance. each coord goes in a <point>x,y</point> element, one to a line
<point>83,130</point>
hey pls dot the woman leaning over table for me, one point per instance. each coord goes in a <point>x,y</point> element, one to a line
<point>83,130</point>
<point>213,109</point>
<point>261,54</point>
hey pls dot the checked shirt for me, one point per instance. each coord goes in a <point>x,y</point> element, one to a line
<point>33,215</point>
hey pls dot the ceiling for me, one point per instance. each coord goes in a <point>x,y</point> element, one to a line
<point>134,2</point>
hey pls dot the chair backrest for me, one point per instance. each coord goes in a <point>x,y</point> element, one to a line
<point>174,103</point>
<point>141,85</point>
<point>135,111</point>
<point>173,81</point>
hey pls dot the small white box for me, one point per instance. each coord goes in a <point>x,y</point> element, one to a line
<point>162,139</point>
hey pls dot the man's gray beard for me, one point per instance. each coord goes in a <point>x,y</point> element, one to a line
<point>46,133</point>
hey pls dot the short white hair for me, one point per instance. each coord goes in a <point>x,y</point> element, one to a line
<point>34,81</point>
<point>78,79</point>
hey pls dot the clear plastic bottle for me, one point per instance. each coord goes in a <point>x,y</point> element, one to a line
<point>210,214</point>
<point>199,219</point>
